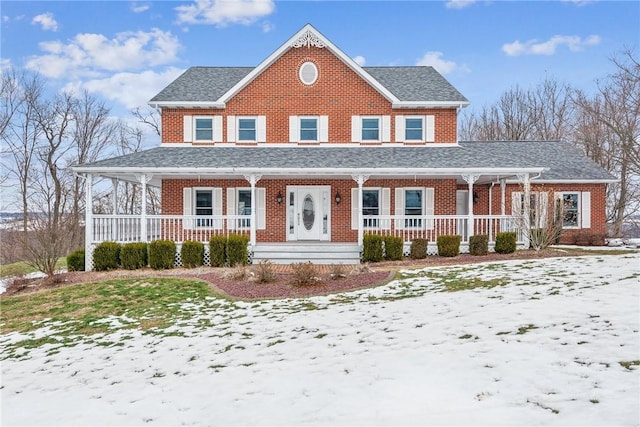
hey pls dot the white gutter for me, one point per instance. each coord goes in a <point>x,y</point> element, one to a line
<point>187,104</point>
<point>429,104</point>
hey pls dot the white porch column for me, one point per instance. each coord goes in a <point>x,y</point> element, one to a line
<point>360,179</point>
<point>144,179</point>
<point>88,222</point>
<point>470,180</point>
<point>253,179</point>
<point>503,191</point>
<point>114,205</point>
<point>526,207</point>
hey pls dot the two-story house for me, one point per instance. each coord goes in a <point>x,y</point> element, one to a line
<point>308,151</point>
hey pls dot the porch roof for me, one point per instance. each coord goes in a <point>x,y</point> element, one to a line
<point>554,160</point>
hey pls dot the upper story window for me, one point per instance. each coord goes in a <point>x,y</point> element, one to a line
<point>370,129</point>
<point>308,73</point>
<point>308,129</point>
<point>415,128</point>
<point>204,129</point>
<point>247,129</point>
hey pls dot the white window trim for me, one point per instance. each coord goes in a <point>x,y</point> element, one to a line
<point>422,135</point>
<point>315,69</point>
<point>233,129</point>
<point>428,207</point>
<point>317,119</point>
<point>195,129</point>
<point>322,126</point>
<point>190,206</point>
<point>428,128</point>
<point>189,130</point>
<point>255,119</point>
<point>584,209</point>
<point>362,119</point>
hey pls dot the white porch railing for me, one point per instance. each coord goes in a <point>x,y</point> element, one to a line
<point>178,228</point>
<point>430,227</point>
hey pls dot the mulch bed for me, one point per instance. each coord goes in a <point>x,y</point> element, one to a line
<point>376,275</point>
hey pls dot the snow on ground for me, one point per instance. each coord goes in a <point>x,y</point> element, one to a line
<point>543,347</point>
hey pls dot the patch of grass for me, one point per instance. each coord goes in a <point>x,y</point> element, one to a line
<point>629,364</point>
<point>524,329</point>
<point>22,268</point>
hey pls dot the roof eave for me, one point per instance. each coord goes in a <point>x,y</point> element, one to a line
<point>187,104</point>
<point>430,104</point>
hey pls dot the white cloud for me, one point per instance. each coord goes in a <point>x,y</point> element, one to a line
<point>578,2</point>
<point>91,54</point>
<point>140,7</point>
<point>360,60</point>
<point>224,12</point>
<point>459,4</point>
<point>46,20</point>
<point>267,27</point>
<point>5,64</point>
<point>435,60</point>
<point>533,47</point>
<point>129,89</point>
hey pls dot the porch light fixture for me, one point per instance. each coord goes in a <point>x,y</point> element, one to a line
<point>279,198</point>
<point>338,198</point>
<point>476,197</point>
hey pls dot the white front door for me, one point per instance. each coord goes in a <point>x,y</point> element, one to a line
<point>308,213</point>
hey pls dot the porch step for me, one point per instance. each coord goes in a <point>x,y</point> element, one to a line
<point>316,253</point>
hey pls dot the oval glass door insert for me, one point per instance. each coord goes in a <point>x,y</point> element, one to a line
<point>308,212</point>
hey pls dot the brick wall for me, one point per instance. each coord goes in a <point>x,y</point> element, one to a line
<point>338,93</point>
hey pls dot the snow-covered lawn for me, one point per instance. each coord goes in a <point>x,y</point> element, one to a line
<point>539,342</point>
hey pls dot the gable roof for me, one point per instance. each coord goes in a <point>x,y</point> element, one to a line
<point>402,86</point>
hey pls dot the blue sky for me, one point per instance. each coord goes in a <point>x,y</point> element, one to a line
<point>128,51</point>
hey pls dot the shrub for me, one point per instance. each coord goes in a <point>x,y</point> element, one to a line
<point>305,273</point>
<point>338,271</point>
<point>237,252</point>
<point>238,272</point>
<point>583,239</point>
<point>506,242</point>
<point>218,250</point>
<point>265,272</point>
<point>134,255</point>
<point>75,260</point>
<point>192,253</point>
<point>419,248</point>
<point>393,248</point>
<point>449,245</point>
<point>162,254</point>
<point>106,256</point>
<point>595,239</point>
<point>372,248</point>
<point>479,244</point>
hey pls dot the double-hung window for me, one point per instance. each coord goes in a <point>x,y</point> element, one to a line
<point>413,207</point>
<point>244,208</point>
<point>309,129</point>
<point>203,129</point>
<point>204,207</point>
<point>570,210</point>
<point>370,129</point>
<point>414,129</point>
<point>247,129</point>
<point>370,207</point>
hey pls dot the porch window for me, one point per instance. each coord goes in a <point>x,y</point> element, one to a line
<point>538,207</point>
<point>413,207</point>
<point>204,207</point>
<point>309,129</point>
<point>204,129</point>
<point>413,130</point>
<point>244,208</point>
<point>247,129</point>
<point>370,129</point>
<point>370,207</point>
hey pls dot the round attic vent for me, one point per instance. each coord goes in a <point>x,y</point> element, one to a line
<point>308,73</point>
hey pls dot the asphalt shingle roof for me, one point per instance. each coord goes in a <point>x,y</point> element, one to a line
<point>208,84</point>
<point>564,161</point>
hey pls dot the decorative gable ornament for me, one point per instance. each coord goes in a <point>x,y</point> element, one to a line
<point>308,39</point>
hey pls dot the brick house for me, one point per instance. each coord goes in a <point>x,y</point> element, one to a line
<point>308,151</point>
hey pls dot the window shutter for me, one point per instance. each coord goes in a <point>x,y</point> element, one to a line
<point>188,128</point>
<point>217,129</point>
<point>217,207</point>
<point>399,128</point>
<point>231,128</point>
<point>385,207</point>
<point>232,207</point>
<point>187,208</point>
<point>429,128</point>
<point>261,129</point>
<point>356,129</point>
<point>543,209</point>
<point>294,130</point>
<point>429,206</point>
<point>261,204</point>
<point>386,128</point>
<point>354,209</point>
<point>585,209</point>
<point>323,132</point>
<point>516,203</point>
<point>399,208</point>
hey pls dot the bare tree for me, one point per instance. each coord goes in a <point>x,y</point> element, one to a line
<point>149,117</point>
